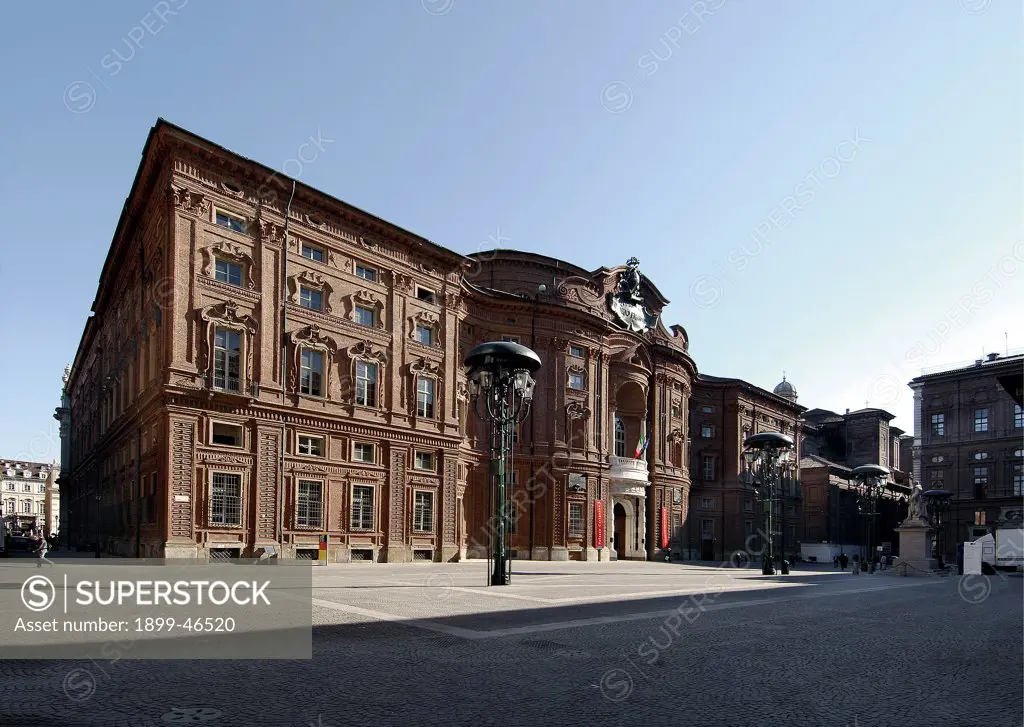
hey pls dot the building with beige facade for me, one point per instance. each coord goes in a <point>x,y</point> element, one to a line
<point>267,365</point>
<point>29,498</point>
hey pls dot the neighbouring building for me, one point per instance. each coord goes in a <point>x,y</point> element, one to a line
<point>29,498</point>
<point>724,515</point>
<point>266,365</point>
<point>833,445</point>
<point>969,440</point>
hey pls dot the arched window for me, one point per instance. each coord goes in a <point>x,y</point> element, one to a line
<point>620,438</point>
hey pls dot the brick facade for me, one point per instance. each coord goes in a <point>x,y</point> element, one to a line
<point>261,370</point>
<point>970,441</point>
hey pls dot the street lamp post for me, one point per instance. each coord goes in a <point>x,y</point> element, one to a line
<point>767,455</point>
<point>501,384</point>
<point>938,505</point>
<point>871,480</point>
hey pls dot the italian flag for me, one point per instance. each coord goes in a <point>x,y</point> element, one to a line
<point>641,446</point>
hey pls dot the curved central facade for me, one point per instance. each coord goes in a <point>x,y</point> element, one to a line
<point>607,430</point>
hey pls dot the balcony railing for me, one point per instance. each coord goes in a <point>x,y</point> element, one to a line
<point>627,468</point>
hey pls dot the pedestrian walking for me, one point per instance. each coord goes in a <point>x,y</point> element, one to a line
<point>856,565</point>
<point>41,549</point>
<point>843,560</point>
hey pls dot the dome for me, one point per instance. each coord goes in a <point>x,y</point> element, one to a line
<point>785,389</point>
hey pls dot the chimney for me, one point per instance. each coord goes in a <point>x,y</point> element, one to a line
<point>993,356</point>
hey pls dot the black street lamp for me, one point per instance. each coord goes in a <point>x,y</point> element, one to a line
<point>871,480</point>
<point>501,384</point>
<point>938,507</point>
<point>768,454</point>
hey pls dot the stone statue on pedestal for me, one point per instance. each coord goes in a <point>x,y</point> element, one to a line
<point>917,511</point>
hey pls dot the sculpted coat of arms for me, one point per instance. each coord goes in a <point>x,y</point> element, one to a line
<point>627,303</point>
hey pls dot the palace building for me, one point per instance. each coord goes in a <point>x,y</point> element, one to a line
<point>266,365</point>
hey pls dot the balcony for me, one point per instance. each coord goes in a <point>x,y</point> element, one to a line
<point>627,468</point>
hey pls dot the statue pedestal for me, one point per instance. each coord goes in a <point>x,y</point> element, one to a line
<point>915,557</point>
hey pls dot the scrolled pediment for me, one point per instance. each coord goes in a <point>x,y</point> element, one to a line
<point>230,251</point>
<point>227,314</point>
<point>313,336</point>
<point>424,367</point>
<point>313,281</point>
<point>368,351</point>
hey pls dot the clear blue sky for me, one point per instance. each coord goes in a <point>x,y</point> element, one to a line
<point>465,120</point>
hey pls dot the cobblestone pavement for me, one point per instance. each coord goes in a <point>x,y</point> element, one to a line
<point>601,644</point>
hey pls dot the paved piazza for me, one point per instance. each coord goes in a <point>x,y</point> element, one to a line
<point>578,643</point>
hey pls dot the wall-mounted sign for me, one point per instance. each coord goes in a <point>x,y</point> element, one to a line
<point>599,535</point>
<point>577,483</point>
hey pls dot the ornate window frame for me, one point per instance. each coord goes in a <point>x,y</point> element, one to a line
<point>375,507</point>
<point>311,337</point>
<point>226,315</point>
<point>424,369</point>
<point>366,299</point>
<point>425,320</point>
<point>432,530</point>
<point>582,372</point>
<point>231,252</point>
<point>323,444</point>
<point>243,474</point>
<point>299,478</point>
<point>366,352</point>
<point>312,281</point>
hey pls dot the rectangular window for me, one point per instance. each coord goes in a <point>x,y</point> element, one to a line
<point>748,506</point>
<point>311,446</point>
<point>26,507</point>
<point>575,519</point>
<point>748,528</point>
<point>707,502</point>
<point>707,409</point>
<point>365,316</point>
<point>309,510</point>
<point>227,360</point>
<point>425,398</point>
<point>26,488</point>
<point>312,373</point>
<point>708,467</point>
<point>424,461</point>
<point>226,499</point>
<point>425,294</point>
<point>707,529</point>
<point>366,273</point>
<point>424,335</point>
<point>707,431</point>
<point>1018,416</point>
<point>313,253</point>
<point>366,384</point>
<point>981,420</point>
<point>980,482</point>
<point>1017,478</point>
<point>362,452</point>
<point>423,512</point>
<point>576,381</point>
<point>576,351</point>
<point>229,272</point>
<point>312,299</point>
<point>936,479</point>
<point>229,435</point>
<point>939,425</point>
<point>231,222</point>
<point>362,508</point>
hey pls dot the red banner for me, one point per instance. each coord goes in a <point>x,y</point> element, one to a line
<point>664,528</point>
<point>599,536</point>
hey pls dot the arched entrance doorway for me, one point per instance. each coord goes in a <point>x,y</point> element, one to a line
<point>620,530</point>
